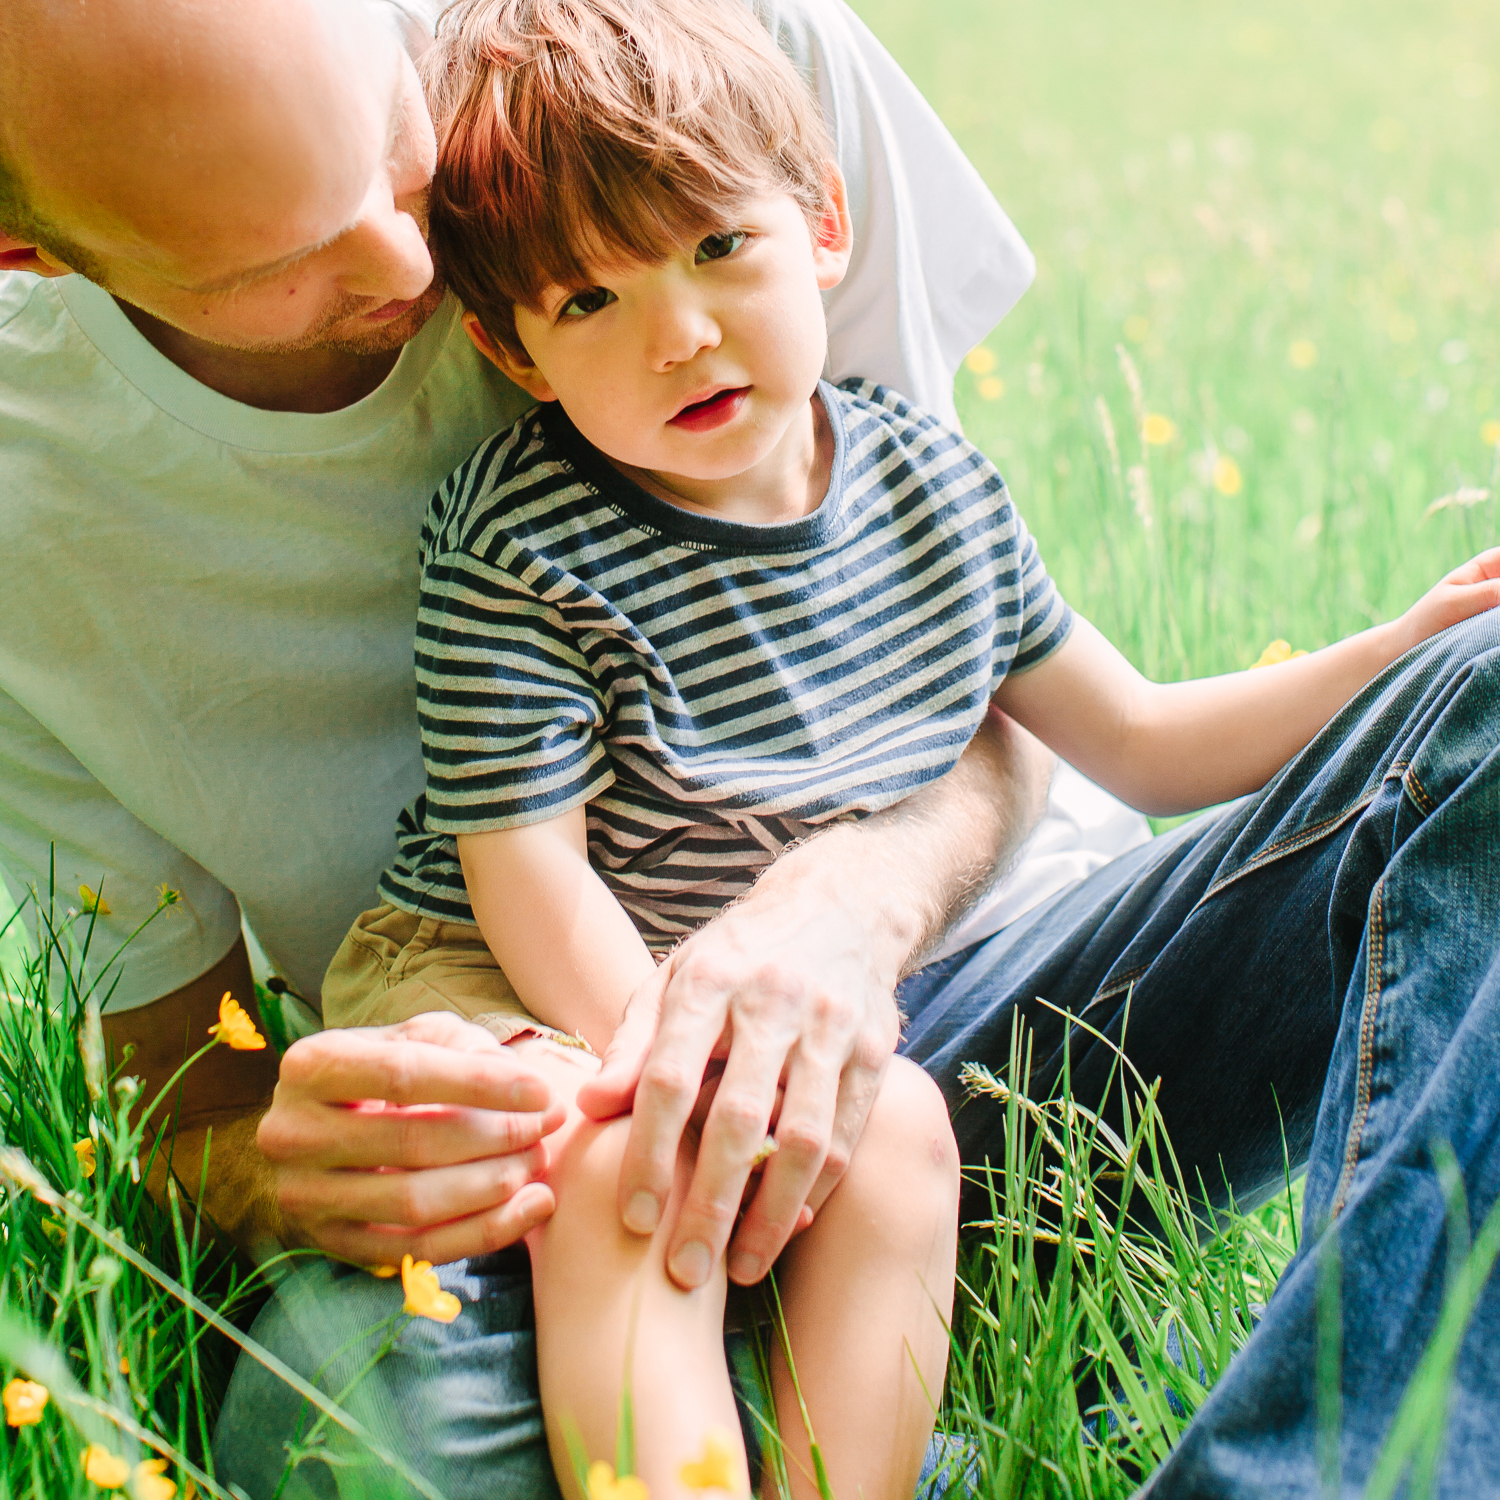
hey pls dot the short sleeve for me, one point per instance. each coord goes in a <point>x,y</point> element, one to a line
<point>936,263</point>
<point>510,713</point>
<point>1046,618</point>
<point>58,822</point>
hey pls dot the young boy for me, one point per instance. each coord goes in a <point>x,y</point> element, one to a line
<point>696,605</point>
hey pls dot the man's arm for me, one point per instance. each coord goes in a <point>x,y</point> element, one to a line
<point>794,985</point>
<point>419,1138</point>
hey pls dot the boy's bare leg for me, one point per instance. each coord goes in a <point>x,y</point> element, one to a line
<point>867,1292</point>
<point>591,1278</point>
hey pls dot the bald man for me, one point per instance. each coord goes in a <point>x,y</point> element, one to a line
<point>229,383</point>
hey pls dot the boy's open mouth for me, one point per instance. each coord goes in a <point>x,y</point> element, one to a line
<point>713,411</point>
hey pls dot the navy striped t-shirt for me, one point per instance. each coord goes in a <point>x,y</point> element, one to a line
<point>711,690</point>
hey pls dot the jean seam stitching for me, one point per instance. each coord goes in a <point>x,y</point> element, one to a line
<point>1116,986</point>
<point>1289,845</point>
<point>1418,792</point>
<point>1367,1019</point>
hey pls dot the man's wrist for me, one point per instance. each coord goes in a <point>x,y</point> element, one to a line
<point>906,874</point>
<point>235,1189</point>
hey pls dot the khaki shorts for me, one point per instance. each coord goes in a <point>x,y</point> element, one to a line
<point>393,965</point>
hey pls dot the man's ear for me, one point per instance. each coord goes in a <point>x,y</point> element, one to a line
<point>525,375</point>
<point>18,255</point>
<point>833,235</point>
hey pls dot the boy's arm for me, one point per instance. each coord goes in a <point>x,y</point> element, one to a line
<point>564,942</point>
<point>1170,748</point>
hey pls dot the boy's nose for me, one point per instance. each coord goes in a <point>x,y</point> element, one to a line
<point>677,330</point>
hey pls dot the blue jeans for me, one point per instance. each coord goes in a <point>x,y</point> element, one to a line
<point>1319,964</point>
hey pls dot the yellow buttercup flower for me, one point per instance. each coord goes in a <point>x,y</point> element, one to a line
<point>424,1297</point>
<point>124,1364</point>
<point>1157,430</point>
<point>717,1468</point>
<point>88,1160</point>
<point>1276,653</point>
<point>151,1482</point>
<point>1302,354</point>
<point>979,360</point>
<point>236,1027</point>
<point>602,1484</point>
<point>25,1401</point>
<point>108,1470</point>
<point>1227,477</point>
<point>1489,434</point>
<point>93,903</point>
<point>992,388</point>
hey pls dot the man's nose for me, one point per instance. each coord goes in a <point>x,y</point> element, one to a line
<point>386,255</point>
<point>678,327</point>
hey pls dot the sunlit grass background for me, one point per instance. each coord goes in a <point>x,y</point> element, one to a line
<point>1287,216</point>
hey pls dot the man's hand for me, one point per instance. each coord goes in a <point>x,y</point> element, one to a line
<point>422,1138</point>
<point>794,987</point>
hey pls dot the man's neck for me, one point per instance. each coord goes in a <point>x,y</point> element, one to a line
<point>308,380</point>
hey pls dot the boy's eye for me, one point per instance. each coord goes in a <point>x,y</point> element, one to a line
<point>717,246</point>
<point>581,304</point>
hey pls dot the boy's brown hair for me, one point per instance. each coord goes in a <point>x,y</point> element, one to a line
<point>575,130</point>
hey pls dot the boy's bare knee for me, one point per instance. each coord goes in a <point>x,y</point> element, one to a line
<point>909,1137</point>
<point>588,1166</point>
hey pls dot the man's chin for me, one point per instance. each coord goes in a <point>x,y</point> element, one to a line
<point>362,335</point>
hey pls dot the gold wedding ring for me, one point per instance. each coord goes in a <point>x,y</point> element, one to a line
<point>768,1148</point>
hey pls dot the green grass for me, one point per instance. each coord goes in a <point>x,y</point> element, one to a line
<point>1207,183</point>
<point>1204,185</point>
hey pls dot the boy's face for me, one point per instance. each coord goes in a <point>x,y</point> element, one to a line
<point>697,366</point>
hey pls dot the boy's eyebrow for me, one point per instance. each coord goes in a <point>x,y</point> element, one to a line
<point>237,279</point>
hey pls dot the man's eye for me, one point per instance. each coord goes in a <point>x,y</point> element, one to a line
<point>717,246</point>
<point>581,304</point>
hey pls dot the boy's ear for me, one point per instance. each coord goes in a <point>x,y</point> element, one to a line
<point>527,376</point>
<point>833,235</point>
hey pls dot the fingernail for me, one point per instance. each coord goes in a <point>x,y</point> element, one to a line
<point>690,1264</point>
<point>744,1267</point>
<point>642,1212</point>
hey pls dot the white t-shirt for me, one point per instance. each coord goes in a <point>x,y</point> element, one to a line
<point>206,675</point>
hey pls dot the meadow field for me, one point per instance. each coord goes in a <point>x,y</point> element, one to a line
<point>1254,394</point>
<point>1286,216</point>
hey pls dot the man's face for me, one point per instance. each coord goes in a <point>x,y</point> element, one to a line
<point>271,194</point>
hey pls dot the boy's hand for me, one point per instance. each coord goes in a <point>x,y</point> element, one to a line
<point>421,1139</point>
<point>1466,591</point>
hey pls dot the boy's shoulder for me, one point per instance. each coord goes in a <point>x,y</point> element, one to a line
<point>885,431</point>
<point>503,489</point>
